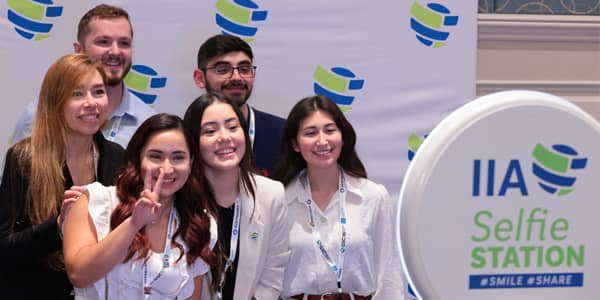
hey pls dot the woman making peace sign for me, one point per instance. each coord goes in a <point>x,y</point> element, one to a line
<point>142,238</point>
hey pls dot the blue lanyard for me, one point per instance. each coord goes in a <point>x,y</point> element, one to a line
<point>336,268</point>
<point>251,126</point>
<point>147,289</point>
<point>235,232</point>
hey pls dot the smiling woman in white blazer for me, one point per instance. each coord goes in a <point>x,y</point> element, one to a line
<point>252,255</point>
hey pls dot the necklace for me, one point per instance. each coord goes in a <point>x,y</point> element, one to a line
<point>94,161</point>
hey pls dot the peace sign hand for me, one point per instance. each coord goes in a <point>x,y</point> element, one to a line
<point>148,209</point>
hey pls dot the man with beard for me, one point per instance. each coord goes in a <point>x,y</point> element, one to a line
<point>105,34</point>
<point>225,66</point>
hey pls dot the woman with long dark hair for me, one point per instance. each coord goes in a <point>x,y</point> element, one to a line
<point>252,247</point>
<point>149,236</point>
<point>341,241</point>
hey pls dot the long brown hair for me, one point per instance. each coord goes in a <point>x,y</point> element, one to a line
<point>190,203</point>
<point>193,121</point>
<point>290,162</point>
<point>49,136</point>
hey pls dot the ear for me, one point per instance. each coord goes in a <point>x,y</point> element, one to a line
<point>200,79</point>
<point>77,47</point>
<point>295,146</point>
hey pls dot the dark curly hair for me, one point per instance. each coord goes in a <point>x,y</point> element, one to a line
<point>191,203</point>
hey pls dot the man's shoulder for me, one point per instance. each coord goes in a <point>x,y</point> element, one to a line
<point>261,115</point>
<point>138,108</point>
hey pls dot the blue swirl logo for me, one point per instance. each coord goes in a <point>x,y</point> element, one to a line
<point>143,81</point>
<point>30,18</point>
<point>237,18</point>
<point>430,23</point>
<point>553,167</point>
<point>337,84</point>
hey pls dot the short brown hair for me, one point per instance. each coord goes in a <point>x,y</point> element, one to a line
<point>102,11</point>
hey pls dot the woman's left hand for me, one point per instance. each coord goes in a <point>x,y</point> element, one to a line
<point>70,197</point>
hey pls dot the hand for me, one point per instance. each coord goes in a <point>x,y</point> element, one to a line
<point>70,197</point>
<point>148,209</point>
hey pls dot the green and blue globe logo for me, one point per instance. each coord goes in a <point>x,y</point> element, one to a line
<point>237,17</point>
<point>142,81</point>
<point>414,142</point>
<point>32,18</point>
<point>431,23</point>
<point>554,167</point>
<point>337,83</point>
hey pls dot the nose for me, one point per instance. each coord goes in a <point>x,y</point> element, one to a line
<point>235,74</point>
<point>321,140</point>
<point>223,135</point>
<point>90,101</point>
<point>167,167</point>
<point>113,48</point>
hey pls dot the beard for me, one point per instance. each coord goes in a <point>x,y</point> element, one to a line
<point>117,80</point>
<point>238,98</point>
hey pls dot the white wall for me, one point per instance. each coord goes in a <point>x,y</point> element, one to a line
<point>554,54</point>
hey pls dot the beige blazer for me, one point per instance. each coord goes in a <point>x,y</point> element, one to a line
<point>263,244</point>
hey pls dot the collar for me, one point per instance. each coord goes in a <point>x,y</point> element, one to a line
<point>297,191</point>
<point>246,202</point>
<point>125,107</point>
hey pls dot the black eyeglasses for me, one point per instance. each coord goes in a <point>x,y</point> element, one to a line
<point>226,70</point>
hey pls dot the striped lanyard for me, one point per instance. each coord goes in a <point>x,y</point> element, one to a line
<point>148,285</point>
<point>336,268</point>
<point>235,232</point>
<point>114,129</point>
<point>251,126</point>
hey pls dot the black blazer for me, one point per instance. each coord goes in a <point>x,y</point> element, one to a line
<point>265,150</point>
<point>23,274</point>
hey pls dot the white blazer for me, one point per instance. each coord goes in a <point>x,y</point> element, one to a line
<point>263,244</point>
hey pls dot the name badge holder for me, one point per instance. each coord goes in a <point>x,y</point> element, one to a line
<point>336,268</point>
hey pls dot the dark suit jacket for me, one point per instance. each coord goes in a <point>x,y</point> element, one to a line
<point>266,141</point>
<point>23,273</point>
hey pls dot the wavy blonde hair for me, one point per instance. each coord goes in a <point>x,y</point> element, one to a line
<point>49,134</point>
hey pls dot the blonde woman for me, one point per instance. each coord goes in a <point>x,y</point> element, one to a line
<point>66,148</point>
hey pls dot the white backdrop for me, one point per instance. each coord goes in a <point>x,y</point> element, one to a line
<point>407,86</point>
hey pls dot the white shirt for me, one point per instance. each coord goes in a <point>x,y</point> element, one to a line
<point>124,281</point>
<point>372,262</point>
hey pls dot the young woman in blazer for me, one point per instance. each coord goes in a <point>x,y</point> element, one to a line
<point>66,148</point>
<point>341,240</point>
<point>253,234</point>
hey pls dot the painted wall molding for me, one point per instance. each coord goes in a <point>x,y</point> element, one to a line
<point>538,28</point>
<point>550,86</point>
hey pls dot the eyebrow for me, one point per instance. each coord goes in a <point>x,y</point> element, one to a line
<point>162,152</point>
<point>213,123</point>
<point>243,62</point>
<point>311,127</point>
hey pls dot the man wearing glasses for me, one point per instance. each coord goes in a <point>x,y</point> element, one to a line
<point>225,65</point>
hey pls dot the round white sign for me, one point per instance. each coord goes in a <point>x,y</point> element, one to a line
<point>499,202</point>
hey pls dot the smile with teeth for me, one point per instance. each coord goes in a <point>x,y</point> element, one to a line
<point>225,151</point>
<point>168,180</point>
<point>322,152</point>
<point>93,117</point>
<point>113,63</point>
